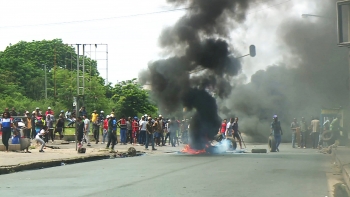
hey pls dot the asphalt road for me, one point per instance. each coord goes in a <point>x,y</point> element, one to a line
<point>291,172</point>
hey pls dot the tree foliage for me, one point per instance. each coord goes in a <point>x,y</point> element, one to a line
<point>130,99</point>
<point>22,81</point>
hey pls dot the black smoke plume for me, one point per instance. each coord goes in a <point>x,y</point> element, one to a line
<point>198,39</point>
<point>313,75</point>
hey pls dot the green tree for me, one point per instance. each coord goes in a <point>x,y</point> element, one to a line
<point>26,62</point>
<point>130,99</point>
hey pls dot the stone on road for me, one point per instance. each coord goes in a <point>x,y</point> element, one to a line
<point>295,172</point>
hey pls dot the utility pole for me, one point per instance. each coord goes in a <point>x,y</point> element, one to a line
<point>54,75</point>
<point>77,102</point>
<point>45,83</point>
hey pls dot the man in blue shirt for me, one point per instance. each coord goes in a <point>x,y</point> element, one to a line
<point>276,131</point>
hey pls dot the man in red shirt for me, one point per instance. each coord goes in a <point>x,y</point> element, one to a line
<point>223,128</point>
<point>135,129</point>
<point>105,129</point>
<point>49,111</point>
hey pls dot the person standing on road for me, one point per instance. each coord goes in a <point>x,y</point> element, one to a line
<point>112,132</point>
<point>95,126</point>
<point>294,126</point>
<point>276,131</point>
<point>315,129</point>
<point>33,134</point>
<point>303,131</point>
<point>80,125</point>
<point>236,133</point>
<point>40,135</point>
<point>28,124</point>
<point>157,129</point>
<point>149,135</point>
<point>49,124</point>
<point>129,131</point>
<point>173,130</point>
<point>223,128</point>
<point>101,119</point>
<point>5,126</point>
<point>59,128</point>
<point>122,125</point>
<point>105,129</point>
<point>135,130</point>
<point>87,129</point>
<point>143,131</point>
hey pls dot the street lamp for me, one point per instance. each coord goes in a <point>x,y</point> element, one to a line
<point>252,53</point>
<point>312,15</point>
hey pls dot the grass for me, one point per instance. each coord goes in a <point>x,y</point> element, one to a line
<point>71,131</point>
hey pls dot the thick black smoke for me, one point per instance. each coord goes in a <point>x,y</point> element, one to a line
<point>313,75</point>
<point>201,37</point>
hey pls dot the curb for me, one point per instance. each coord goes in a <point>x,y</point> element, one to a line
<point>344,170</point>
<point>50,163</point>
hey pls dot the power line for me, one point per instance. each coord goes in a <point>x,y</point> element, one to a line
<point>100,19</point>
<point>129,16</point>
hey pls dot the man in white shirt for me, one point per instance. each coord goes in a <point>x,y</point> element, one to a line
<point>86,129</point>
<point>143,129</point>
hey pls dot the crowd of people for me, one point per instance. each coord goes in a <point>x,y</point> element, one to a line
<point>138,132</point>
<point>301,130</point>
<point>43,126</point>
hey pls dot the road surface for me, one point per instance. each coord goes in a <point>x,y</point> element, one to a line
<point>289,173</point>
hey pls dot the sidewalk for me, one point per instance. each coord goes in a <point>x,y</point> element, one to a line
<point>66,154</point>
<point>342,157</point>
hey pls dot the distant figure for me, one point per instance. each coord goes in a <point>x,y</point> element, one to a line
<point>336,128</point>
<point>276,131</point>
<point>303,131</point>
<point>294,126</point>
<point>315,129</point>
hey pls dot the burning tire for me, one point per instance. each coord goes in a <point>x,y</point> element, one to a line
<point>272,144</point>
<point>327,136</point>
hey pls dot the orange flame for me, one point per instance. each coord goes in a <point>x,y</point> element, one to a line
<point>188,149</point>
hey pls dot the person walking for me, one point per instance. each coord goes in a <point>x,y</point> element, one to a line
<point>303,131</point>
<point>5,126</point>
<point>87,129</point>
<point>276,131</point>
<point>294,126</point>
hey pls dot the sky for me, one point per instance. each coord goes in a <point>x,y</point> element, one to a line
<point>133,41</point>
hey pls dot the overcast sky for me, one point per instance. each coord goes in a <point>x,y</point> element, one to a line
<point>133,41</point>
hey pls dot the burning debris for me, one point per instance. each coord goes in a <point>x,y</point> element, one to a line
<point>201,35</point>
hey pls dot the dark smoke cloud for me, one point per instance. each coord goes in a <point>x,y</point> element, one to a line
<point>313,75</point>
<point>202,36</point>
